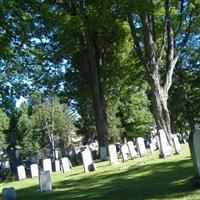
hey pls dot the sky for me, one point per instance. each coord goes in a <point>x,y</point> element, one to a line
<point>20,101</point>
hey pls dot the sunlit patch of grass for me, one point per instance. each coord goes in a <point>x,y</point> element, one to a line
<point>144,178</point>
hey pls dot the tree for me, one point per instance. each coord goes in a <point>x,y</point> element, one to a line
<point>4,125</point>
<point>160,30</point>
<point>185,92</point>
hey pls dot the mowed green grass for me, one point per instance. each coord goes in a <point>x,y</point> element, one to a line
<point>144,178</point>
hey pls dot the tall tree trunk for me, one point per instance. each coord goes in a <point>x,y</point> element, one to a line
<point>96,83</point>
<point>159,97</point>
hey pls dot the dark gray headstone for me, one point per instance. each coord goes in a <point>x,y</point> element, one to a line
<point>103,153</point>
<point>9,193</point>
<point>45,181</point>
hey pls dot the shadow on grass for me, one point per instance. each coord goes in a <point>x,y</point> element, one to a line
<point>167,180</point>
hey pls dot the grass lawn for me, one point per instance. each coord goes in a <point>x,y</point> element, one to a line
<point>143,178</point>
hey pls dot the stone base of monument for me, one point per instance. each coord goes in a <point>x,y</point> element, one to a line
<point>161,155</point>
<point>195,182</point>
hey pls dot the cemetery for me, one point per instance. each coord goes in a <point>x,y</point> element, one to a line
<point>100,100</point>
<point>125,175</point>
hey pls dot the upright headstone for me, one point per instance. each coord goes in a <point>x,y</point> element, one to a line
<point>65,164</point>
<point>45,181</point>
<point>158,142</point>
<point>113,154</point>
<point>124,152</point>
<point>57,165</point>
<point>141,146</point>
<point>132,150</point>
<point>177,145</point>
<point>21,173</point>
<point>5,165</point>
<point>34,170</point>
<point>151,145</point>
<point>57,153</point>
<point>9,193</point>
<point>88,163</point>
<point>194,141</point>
<point>47,165</point>
<point>165,149</point>
<point>103,153</point>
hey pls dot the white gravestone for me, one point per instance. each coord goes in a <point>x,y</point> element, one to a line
<point>124,152</point>
<point>47,165</point>
<point>45,181</point>
<point>88,163</point>
<point>57,165</point>
<point>153,143</point>
<point>65,164</point>
<point>103,153</point>
<point>21,173</point>
<point>165,149</point>
<point>177,145</point>
<point>34,170</point>
<point>151,148</point>
<point>113,154</point>
<point>141,146</point>
<point>132,150</point>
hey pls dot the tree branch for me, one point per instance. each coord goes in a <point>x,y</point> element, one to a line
<point>187,31</point>
<point>137,47</point>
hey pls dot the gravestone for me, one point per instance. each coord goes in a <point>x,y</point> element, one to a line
<point>9,193</point>
<point>177,145</point>
<point>124,152</point>
<point>158,142</point>
<point>132,150</point>
<point>153,142</point>
<point>151,145</point>
<point>194,141</point>
<point>88,163</point>
<point>34,170</point>
<point>103,153</point>
<point>56,153</point>
<point>65,164</point>
<point>141,146</point>
<point>113,154</point>
<point>5,165</point>
<point>21,173</point>
<point>47,165</point>
<point>165,150</point>
<point>45,181</point>
<point>57,165</point>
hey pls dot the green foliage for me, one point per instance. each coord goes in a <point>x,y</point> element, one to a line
<point>4,125</point>
<point>115,127</point>
<point>134,111</point>
<point>48,121</point>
